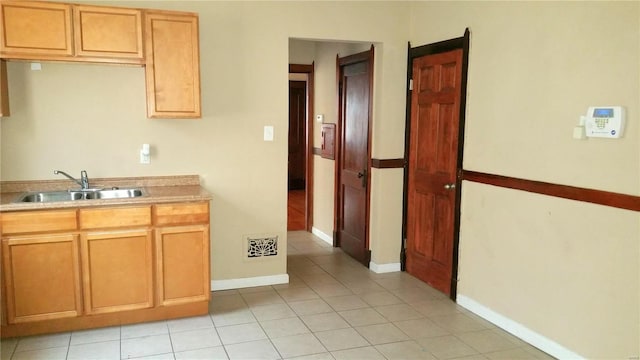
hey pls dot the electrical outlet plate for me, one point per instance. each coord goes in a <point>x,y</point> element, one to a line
<point>144,158</point>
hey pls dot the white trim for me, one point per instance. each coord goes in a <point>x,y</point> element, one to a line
<point>327,238</point>
<point>249,282</point>
<point>541,342</point>
<point>384,268</point>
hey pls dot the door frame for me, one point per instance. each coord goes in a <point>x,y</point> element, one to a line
<point>347,60</point>
<point>413,53</point>
<point>309,70</point>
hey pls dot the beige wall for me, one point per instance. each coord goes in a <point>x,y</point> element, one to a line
<point>534,69</point>
<point>74,117</point>
<point>564,269</point>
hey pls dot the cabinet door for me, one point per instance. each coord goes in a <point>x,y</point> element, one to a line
<point>172,65</point>
<point>108,32</point>
<point>117,270</point>
<point>35,28</point>
<point>182,258</point>
<point>42,277</point>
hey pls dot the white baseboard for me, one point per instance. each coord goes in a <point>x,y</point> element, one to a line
<point>249,282</point>
<point>384,268</point>
<point>326,238</point>
<point>547,345</point>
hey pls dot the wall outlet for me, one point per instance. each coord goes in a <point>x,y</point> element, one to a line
<point>144,158</point>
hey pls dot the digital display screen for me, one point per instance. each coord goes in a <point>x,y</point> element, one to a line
<point>603,113</point>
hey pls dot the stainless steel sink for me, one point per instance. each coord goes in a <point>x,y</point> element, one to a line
<point>115,194</point>
<point>87,194</point>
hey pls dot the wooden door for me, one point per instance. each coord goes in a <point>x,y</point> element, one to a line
<point>433,162</point>
<point>182,264</point>
<point>42,277</point>
<point>297,134</point>
<point>352,214</point>
<point>117,270</point>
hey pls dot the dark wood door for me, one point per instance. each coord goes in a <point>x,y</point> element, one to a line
<point>433,157</point>
<point>297,133</point>
<point>355,83</point>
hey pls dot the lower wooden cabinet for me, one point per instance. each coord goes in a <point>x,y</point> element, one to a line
<point>117,270</point>
<point>182,260</point>
<point>71,269</point>
<point>42,277</point>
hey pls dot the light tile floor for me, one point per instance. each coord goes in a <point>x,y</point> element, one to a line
<point>332,308</point>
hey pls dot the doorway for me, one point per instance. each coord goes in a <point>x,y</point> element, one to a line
<point>300,154</point>
<point>435,129</point>
<point>353,163</point>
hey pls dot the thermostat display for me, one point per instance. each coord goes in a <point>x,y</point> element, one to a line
<point>604,121</point>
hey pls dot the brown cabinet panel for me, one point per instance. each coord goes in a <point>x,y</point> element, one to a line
<point>182,260</point>
<point>35,28</point>
<point>38,221</point>
<point>117,271</point>
<point>115,217</point>
<point>184,213</point>
<point>42,277</point>
<point>4,90</point>
<point>108,32</point>
<point>172,65</point>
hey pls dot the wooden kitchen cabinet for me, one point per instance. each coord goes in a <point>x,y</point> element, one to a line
<point>87,267</point>
<point>182,258</point>
<point>108,33</point>
<point>172,65</point>
<point>41,277</point>
<point>117,270</point>
<point>182,252</point>
<point>32,28</point>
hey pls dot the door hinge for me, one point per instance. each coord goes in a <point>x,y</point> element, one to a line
<point>410,84</point>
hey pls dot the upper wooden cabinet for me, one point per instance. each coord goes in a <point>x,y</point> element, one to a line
<point>32,28</point>
<point>108,32</point>
<point>54,31</point>
<point>165,42</point>
<point>173,65</point>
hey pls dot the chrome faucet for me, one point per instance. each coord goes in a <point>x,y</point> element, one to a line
<point>84,179</point>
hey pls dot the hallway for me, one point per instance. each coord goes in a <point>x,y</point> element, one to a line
<point>332,308</point>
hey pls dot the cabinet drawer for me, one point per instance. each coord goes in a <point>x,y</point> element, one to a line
<point>169,214</point>
<point>38,221</point>
<point>115,217</point>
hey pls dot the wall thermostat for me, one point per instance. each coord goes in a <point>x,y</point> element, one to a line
<point>604,121</point>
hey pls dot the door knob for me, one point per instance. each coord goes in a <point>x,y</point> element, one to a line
<point>449,186</point>
<point>363,175</point>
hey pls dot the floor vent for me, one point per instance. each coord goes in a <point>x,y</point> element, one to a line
<point>262,247</point>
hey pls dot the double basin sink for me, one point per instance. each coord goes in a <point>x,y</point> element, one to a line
<point>84,194</point>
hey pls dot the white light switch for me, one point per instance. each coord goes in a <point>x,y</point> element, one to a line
<point>320,118</point>
<point>268,133</point>
<point>36,66</point>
